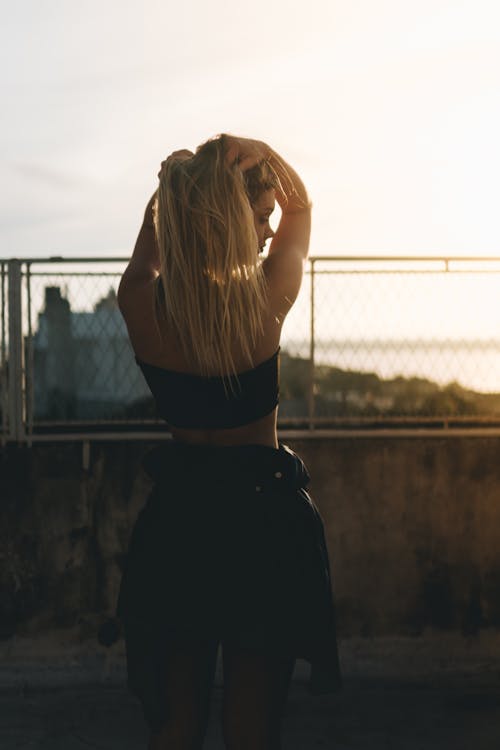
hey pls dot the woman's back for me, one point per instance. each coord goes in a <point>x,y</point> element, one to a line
<point>166,355</point>
<point>166,366</point>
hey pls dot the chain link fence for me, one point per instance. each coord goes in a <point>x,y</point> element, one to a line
<point>370,341</point>
<point>83,366</point>
<point>406,340</point>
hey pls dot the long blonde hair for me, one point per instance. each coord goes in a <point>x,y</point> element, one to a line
<point>212,290</point>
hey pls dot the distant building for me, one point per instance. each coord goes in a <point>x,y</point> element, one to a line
<point>84,366</point>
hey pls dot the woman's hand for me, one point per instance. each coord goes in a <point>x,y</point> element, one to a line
<point>180,155</point>
<point>245,152</point>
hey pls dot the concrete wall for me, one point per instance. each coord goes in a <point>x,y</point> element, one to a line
<point>413,529</point>
<point>412,526</point>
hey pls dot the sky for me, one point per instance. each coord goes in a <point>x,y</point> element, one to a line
<point>389,110</point>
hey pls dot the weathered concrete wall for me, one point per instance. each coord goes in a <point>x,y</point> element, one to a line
<point>413,529</point>
<point>412,526</point>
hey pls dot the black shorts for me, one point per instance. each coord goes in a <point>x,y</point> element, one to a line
<point>229,546</point>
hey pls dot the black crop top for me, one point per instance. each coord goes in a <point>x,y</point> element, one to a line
<point>197,401</point>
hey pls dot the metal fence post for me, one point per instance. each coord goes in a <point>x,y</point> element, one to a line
<point>3,364</point>
<point>28,363</point>
<point>311,354</point>
<point>15,367</point>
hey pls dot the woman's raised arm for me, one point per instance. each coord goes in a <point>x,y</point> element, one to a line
<point>289,248</point>
<point>144,264</point>
<point>145,256</point>
<point>294,230</point>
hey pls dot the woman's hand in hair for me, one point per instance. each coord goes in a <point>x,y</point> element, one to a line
<point>180,155</point>
<point>245,152</point>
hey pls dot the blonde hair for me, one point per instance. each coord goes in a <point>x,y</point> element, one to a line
<point>212,290</point>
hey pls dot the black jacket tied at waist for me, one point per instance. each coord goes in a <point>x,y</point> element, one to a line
<point>261,465</point>
<point>231,543</point>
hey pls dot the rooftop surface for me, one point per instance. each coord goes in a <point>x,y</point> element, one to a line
<point>399,694</point>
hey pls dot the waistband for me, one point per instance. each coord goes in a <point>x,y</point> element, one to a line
<point>201,462</point>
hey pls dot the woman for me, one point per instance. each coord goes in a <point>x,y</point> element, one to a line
<point>229,547</point>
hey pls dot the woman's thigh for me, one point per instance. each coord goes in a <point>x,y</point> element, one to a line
<point>256,688</point>
<point>179,715</point>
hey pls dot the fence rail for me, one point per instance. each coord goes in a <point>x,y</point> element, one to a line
<point>371,342</point>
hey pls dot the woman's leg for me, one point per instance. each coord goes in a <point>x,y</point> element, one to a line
<point>255,693</point>
<point>189,670</point>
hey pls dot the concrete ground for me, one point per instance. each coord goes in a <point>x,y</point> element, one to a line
<point>432,692</point>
